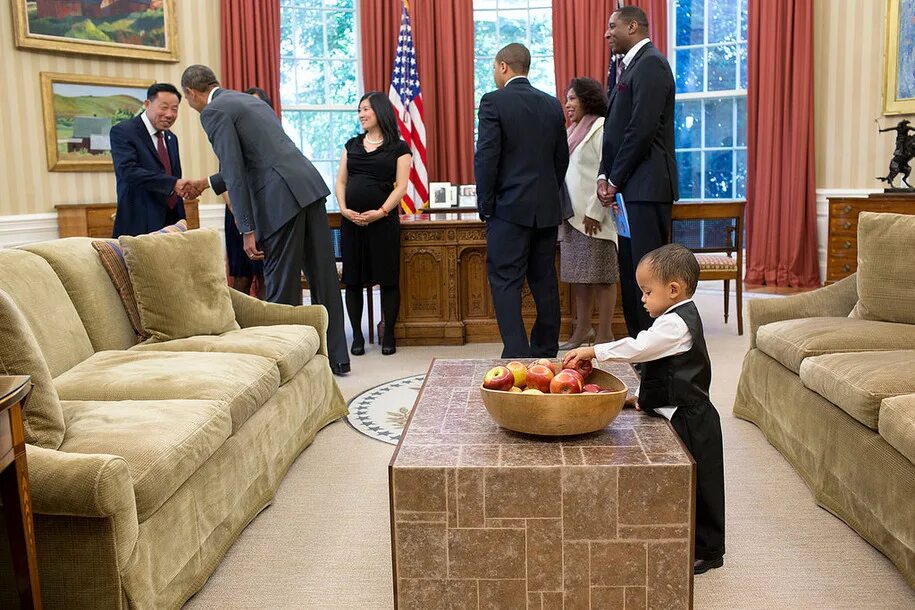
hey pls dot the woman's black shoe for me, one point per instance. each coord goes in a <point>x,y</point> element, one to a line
<point>358,348</point>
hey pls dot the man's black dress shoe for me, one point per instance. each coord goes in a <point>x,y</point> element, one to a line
<point>701,566</point>
<point>387,350</point>
<point>339,368</point>
<point>357,349</point>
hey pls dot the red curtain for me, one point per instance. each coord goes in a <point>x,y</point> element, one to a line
<point>250,34</point>
<point>443,35</point>
<point>579,48</point>
<point>781,194</point>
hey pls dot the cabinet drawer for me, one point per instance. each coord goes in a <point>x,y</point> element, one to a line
<point>843,227</point>
<point>837,269</point>
<point>845,209</point>
<point>843,246</point>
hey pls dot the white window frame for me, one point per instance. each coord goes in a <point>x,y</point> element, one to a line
<point>702,96</point>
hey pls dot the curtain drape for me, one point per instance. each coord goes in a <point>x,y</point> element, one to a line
<point>579,48</point>
<point>781,192</point>
<point>443,35</point>
<point>250,54</point>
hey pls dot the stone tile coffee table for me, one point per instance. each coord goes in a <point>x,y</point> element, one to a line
<point>482,517</point>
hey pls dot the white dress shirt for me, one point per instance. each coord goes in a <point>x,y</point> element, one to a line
<point>514,77</point>
<point>627,59</point>
<point>668,336</point>
<point>152,131</point>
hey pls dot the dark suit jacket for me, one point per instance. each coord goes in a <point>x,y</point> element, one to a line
<point>522,156</point>
<point>268,178</point>
<point>638,154</point>
<point>143,186</point>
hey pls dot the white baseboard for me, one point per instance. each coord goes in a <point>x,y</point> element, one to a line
<point>823,219</point>
<point>24,229</point>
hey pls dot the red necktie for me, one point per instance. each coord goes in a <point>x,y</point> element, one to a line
<point>172,200</point>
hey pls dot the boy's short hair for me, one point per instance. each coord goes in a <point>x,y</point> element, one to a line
<point>674,263</point>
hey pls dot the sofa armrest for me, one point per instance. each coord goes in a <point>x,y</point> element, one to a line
<point>254,312</point>
<point>835,300</point>
<point>85,485</point>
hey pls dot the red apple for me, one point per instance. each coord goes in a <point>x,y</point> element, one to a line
<point>519,371</point>
<point>543,362</point>
<point>539,377</point>
<point>585,368</point>
<point>591,388</point>
<point>581,378</point>
<point>566,382</point>
<point>498,378</point>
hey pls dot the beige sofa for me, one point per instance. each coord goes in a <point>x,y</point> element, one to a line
<point>147,461</point>
<point>836,394</point>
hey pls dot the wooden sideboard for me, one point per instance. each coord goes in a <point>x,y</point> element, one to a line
<point>842,245</point>
<point>445,297</point>
<point>97,219</point>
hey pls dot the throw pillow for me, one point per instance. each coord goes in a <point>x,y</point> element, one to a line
<point>43,418</point>
<point>886,268</point>
<point>179,282</point>
<point>112,257</point>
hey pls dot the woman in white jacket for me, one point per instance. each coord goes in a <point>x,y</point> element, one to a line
<point>588,249</point>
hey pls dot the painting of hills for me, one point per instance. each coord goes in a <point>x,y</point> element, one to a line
<point>85,114</point>
<point>124,22</point>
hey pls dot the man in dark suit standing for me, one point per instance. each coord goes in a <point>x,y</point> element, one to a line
<point>638,158</point>
<point>520,165</point>
<point>147,166</point>
<point>278,198</point>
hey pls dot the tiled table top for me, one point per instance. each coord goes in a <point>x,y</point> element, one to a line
<point>451,428</point>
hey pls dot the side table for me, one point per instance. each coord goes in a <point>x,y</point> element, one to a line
<point>14,489</point>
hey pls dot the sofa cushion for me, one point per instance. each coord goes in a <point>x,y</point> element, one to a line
<point>897,424</point>
<point>886,268</point>
<point>291,346</point>
<point>43,420</point>
<point>857,382</point>
<point>163,441</point>
<point>790,341</point>
<point>40,295</point>
<point>179,281</point>
<point>77,265</point>
<point>243,382</point>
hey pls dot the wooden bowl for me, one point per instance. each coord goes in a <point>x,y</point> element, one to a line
<point>558,414</point>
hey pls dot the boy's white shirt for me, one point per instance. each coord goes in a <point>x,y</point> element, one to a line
<point>668,336</point>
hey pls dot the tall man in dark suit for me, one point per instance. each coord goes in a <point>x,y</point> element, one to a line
<point>147,166</point>
<point>520,165</point>
<point>638,158</point>
<point>278,198</point>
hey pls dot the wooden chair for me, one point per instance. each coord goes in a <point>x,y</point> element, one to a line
<point>720,262</point>
<point>333,219</point>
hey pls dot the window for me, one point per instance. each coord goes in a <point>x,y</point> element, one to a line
<point>497,23</point>
<point>320,79</point>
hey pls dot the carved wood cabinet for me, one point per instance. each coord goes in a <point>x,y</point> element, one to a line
<point>842,245</point>
<point>444,290</point>
<point>97,219</point>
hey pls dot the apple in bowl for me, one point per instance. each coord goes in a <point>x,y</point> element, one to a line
<point>519,371</point>
<point>499,378</point>
<point>539,377</point>
<point>566,382</point>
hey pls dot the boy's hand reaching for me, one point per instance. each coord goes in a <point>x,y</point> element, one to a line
<point>573,356</point>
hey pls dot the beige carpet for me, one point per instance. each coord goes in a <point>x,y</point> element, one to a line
<point>325,541</point>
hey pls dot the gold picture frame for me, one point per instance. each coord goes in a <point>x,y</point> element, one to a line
<point>79,111</point>
<point>899,97</point>
<point>73,27</point>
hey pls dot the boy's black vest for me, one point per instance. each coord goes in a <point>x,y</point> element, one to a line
<point>682,380</point>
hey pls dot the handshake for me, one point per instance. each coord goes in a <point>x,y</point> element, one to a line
<point>191,189</point>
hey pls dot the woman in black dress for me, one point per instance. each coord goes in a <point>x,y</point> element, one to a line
<point>372,180</point>
<point>242,269</point>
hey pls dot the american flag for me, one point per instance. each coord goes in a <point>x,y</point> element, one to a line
<point>408,103</point>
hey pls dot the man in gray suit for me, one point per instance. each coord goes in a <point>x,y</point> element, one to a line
<point>278,198</point>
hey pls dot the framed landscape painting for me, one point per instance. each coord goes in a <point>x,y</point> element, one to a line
<point>899,64</point>
<point>137,29</point>
<point>79,112</point>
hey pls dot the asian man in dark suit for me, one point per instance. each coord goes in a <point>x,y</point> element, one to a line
<point>278,198</point>
<point>147,166</point>
<point>638,157</point>
<point>520,165</point>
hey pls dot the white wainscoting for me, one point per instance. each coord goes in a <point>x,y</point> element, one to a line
<point>30,228</point>
<point>823,218</point>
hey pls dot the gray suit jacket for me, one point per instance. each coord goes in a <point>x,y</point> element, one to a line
<point>269,180</point>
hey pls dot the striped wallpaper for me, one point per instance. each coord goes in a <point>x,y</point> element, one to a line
<point>848,76</point>
<point>849,47</point>
<point>26,186</point>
